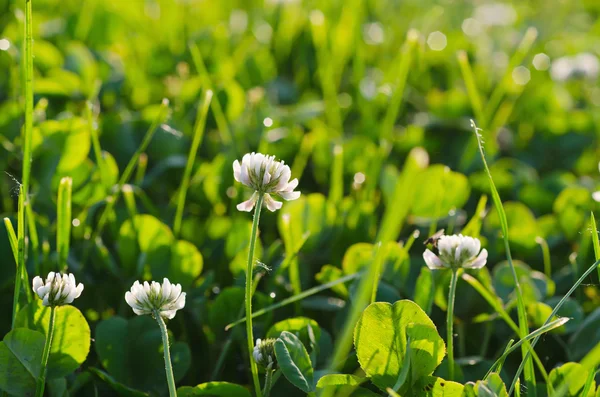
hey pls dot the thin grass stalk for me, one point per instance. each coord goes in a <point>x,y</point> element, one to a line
<point>595,240</point>
<point>63,221</point>
<point>492,300</point>
<point>522,50</point>
<point>33,238</point>
<point>28,130</point>
<point>552,314</point>
<point>104,173</point>
<point>21,273</point>
<point>546,255</point>
<point>12,239</point>
<point>522,313</point>
<point>535,334</point>
<point>404,63</point>
<point>296,298</point>
<point>187,173</point>
<point>222,125</point>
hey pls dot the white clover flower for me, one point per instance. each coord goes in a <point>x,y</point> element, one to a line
<point>146,298</point>
<point>265,176</point>
<point>58,289</point>
<point>456,251</point>
<point>264,352</point>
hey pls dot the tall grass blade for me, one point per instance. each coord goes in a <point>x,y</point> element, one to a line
<point>517,58</point>
<point>522,314</point>
<point>595,240</point>
<point>33,238</point>
<point>494,302</point>
<point>535,334</point>
<point>226,135</point>
<point>12,239</point>
<point>28,130</point>
<point>336,187</point>
<point>404,62</point>
<point>187,173</point>
<point>63,221</point>
<point>21,276</point>
<point>592,359</point>
<point>399,207</point>
<point>296,298</point>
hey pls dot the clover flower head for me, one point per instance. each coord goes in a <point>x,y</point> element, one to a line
<point>267,176</point>
<point>149,298</point>
<point>456,251</point>
<point>58,289</point>
<point>264,352</point>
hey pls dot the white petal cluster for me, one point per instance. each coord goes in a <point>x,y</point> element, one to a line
<point>147,298</point>
<point>58,289</point>
<point>264,352</point>
<point>456,251</point>
<point>267,176</point>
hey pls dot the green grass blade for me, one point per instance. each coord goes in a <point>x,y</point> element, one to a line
<point>494,302</point>
<point>473,228</point>
<point>336,187</point>
<point>535,334</point>
<point>222,125</point>
<point>21,273</point>
<point>140,170</point>
<point>590,362</point>
<point>546,254</point>
<point>522,313</point>
<point>63,221</point>
<point>33,237</point>
<point>472,90</point>
<point>377,264</point>
<point>399,207</point>
<point>28,130</point>
<point>187,173</point>
<point>296,298</point>
<point>104,176</point>
<point>12,239</point>
<point>595,241</point>
<point>517,58</point>
<point>404,62</point>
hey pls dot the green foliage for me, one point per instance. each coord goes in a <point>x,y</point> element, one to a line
<point>214,389</point>
<point>573,376</point>
<point>294,361</point>
<point>387,335</point>
<point>71,340</point>
<point>20,359</point>
<point>371,113</point>
<point>131,352</point>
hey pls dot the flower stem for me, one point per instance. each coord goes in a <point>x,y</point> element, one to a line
<point>268,382</point>
<point>249,289</point>
<point>450,323</point>
<point>41,381</point>
<point>167,352</point>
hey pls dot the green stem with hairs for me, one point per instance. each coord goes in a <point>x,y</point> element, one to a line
<point>450,324</point>
<point>41,381</point>
<point>268,381</point>
<point>249,289</point>
<point>167,353</point>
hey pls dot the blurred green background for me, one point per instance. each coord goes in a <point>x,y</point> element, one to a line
<point>343,92</point>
